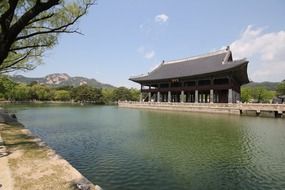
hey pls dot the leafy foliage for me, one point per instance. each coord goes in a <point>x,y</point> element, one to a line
<point>62,95</point>
<point>10,90</point>
<point>246,95</point>
<point>257,94</point>
<point>86,93</point>
<point>6,87</point>
<point>29,27</point>
<point>281,88</point>
<point>123,94</point>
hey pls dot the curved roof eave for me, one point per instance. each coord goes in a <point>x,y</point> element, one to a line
<point>140,79</point>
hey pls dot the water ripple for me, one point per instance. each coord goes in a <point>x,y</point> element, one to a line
<point>145,150</point>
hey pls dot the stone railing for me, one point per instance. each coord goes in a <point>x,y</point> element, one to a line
<point>237,108</point>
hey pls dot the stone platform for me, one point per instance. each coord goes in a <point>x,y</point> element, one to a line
<point>277,110</point>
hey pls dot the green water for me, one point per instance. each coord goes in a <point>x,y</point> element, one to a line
<point>121,148</point>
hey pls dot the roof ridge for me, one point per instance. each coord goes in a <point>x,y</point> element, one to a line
<point>198,56</point>
<point>138,76</point>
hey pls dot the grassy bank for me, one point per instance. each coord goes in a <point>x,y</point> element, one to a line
<point>34,166</point>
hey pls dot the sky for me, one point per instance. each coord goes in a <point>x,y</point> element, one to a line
<point>131,37</point>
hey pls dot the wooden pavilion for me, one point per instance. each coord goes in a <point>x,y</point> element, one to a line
<point>211,78</point>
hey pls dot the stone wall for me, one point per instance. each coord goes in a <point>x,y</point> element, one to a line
<point>235,108</point>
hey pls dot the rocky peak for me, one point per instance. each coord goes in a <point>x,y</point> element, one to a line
<point>56,78</point>
<point>61,79</point>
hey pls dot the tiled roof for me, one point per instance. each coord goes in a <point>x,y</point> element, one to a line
<point>199,65</point>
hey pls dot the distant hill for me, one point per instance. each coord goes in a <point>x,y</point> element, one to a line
<point>268,85</point>
<point>61,79</point>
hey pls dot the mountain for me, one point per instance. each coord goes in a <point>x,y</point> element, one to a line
<point>268,85</point>
<point>61,79</point>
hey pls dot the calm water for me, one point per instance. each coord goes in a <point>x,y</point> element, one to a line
<point>125,149</point>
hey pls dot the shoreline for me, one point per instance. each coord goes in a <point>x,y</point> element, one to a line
<point>28,163</point>
<point>4,103</point>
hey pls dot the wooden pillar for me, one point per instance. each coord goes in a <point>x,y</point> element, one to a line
<point>149,96</point>
<point>230,96</point>
<point>196,96</point>
<point>169,96</point>
<point>211,96</point>
<point>182,96</point>
<point>158,96</point>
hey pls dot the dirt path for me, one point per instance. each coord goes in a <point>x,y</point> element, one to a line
<point>34,166</point>
<point>6,181</point>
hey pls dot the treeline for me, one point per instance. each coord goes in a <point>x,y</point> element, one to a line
<point>261,94</point>
<point>12,91</point>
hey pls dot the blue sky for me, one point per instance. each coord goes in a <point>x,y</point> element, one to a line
<point>130,37</point>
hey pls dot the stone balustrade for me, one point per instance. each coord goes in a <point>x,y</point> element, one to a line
<point>238,108</point>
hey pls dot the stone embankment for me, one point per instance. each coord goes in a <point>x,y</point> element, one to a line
<point>27,163</point>
<point>276,110</point>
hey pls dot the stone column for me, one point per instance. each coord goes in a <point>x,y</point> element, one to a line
<point>149,96</point>
<point>230,96</point>
<point>182,96</point>
<point>169,96</point>
<point>238,97</point>
<point>211,96</point>
<point>141,97</point>
<point>196,96</point>
<point>158,96</point>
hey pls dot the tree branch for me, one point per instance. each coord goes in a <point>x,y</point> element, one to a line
<point>6,18</point>
<point>37,18</point>
<point>4,68</point>
<point>41,18</point>
<point>29,15</point>
<point>61,29</point>
<point>29,47</point>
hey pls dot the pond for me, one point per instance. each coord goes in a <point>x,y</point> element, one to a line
<point>119,148</point>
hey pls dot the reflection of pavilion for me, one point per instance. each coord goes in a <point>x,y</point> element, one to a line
<point>211,78</point>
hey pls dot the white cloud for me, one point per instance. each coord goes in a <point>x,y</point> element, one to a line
<point>148,54</point>
<point>161,18</point>
<point>141,50</point>
<point>265,52</point>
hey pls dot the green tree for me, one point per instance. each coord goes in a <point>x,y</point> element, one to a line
<point>246,94</point>
<point>122,94</point>
<point>67,88</point>
<point>87,93</point>
<point>21,92</point>
<point>6,87</point>
<point>107,94</point>
<point>261,94</point>
<point>62,95</point>
<point>281,88</point>
<point>33,83</point>
<point>135,94</point>
<point>41,92</point>
<point>29,27</point>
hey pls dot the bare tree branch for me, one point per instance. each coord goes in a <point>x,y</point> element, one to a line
<point>15,61</point>
<point>60,29</point>
<point>29,47</point>
<point>6,18</point>
<point>41,18</point>
<point>29,15</point>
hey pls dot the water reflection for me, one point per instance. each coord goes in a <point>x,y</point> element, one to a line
<point>140,149</point>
